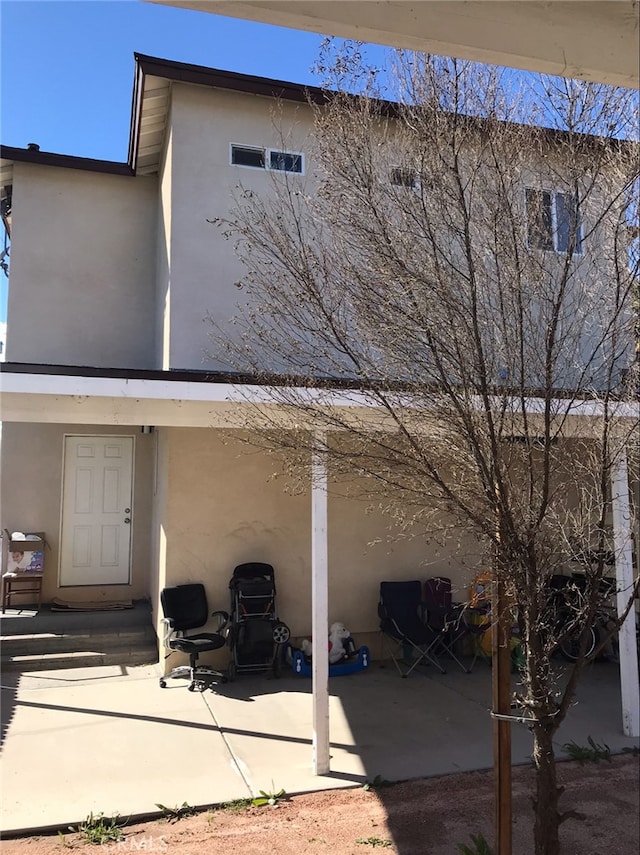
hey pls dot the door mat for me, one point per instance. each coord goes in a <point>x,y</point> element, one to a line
<point>67,606</point>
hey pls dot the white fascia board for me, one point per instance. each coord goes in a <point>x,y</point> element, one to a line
<point>74,388</point>
<point>560,407</point>
<point>165,390</point>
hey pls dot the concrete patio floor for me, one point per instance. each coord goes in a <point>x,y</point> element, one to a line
<point>110,740</point>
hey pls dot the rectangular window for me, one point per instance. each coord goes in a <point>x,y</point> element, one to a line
<point>403,177</point>
<point>261,158</point>
<point>553,221</point>
<point>285,161</point>
<point>244,155</point>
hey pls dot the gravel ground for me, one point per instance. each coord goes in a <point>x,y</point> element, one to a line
<point>426,817</point>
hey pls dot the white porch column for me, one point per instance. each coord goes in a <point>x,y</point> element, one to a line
<point>629,686</point>
<point>319,607</point>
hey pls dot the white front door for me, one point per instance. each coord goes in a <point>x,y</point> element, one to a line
<point>96,510</point>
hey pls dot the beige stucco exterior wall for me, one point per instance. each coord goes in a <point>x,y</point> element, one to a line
<point>158,534</point>
<point>204,122</point>
<point>82,267</point>
<point>31,489</point>
<point>228,502</point>
<point>163,254</point>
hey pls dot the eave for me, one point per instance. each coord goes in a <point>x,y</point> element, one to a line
<point>181,399</point>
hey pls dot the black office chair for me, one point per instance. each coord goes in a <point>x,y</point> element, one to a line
<point>185,607</point>
<point>409,640</point>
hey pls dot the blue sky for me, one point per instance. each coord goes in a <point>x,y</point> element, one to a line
<point>67,67</point>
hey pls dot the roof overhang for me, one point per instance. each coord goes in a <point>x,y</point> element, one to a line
<point>167,399</point>
<point>151,101</point>
<point>150,106</point>
<point>593,40</point>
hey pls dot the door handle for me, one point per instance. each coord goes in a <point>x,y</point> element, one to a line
<point>127,520</point>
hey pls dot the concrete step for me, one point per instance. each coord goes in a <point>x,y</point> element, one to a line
<point>116,655</point>
<point>49,644</point>
<point>39,643</point>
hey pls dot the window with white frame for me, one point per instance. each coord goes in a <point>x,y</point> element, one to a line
<point>257,157</point>
<point>553,221</point>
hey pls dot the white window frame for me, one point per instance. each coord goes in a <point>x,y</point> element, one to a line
<point>579,250</point>
<point>266,152</point>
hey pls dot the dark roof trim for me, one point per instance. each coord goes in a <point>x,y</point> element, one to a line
<point>176,375</point>
<point>124,373</point>
<point>257,379</point>
<point>136,116</point>
<point>48,158</point>
<point>186,73</point>
<point>300,93</point>
<point>203,76</point>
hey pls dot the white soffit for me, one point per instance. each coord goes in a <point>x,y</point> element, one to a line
<point>117,400</point>
<point>6,172</point>
<point>594,40</point>
<point>153,122</point>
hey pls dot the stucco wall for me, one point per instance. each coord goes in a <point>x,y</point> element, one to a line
<point>229,502</point>
<point>31,488</point>
<point>204,268</point>
<point>163,255</point>
<point>82,268</point>
<point>199,182</point>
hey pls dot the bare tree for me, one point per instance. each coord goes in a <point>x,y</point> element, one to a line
<point>459,265</point>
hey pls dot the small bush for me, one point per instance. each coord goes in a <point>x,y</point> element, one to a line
<point>593,754</point>
<point>99,829</point>
<point>377,783</point>
<point>176,813</point>
<point>480,846</point>
<point>268,798</point>
<point>373,841</point>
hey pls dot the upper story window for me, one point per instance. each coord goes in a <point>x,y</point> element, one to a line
<point>244,155</point>
<point>403,177</point>
<point>285,161</point>
<point>257,157</point>
<point>553,221</point>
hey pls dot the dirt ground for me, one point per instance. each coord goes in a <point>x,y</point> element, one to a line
<point>425,817</point>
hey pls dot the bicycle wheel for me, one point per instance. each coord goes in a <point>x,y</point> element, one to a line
<point>570,646</point>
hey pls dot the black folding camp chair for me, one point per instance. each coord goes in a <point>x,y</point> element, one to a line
<point>453,622</point>
<point>409,640</point>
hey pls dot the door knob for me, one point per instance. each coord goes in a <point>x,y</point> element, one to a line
<point>127,519</point>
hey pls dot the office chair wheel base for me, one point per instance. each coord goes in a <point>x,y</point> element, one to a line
<point>163,684</point>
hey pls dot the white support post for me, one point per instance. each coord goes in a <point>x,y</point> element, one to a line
<point>319,607</point>
<point>629,685</point>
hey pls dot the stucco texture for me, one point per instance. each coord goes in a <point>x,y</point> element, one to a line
<point>229,502</point>
<point>31,489</point>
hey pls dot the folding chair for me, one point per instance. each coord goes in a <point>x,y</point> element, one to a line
<point>444,617</point>
<point>403,628</point>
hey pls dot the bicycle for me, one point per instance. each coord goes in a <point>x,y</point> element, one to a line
<point>567,605</point>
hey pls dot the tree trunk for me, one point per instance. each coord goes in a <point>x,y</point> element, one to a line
<point>547,816</point>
